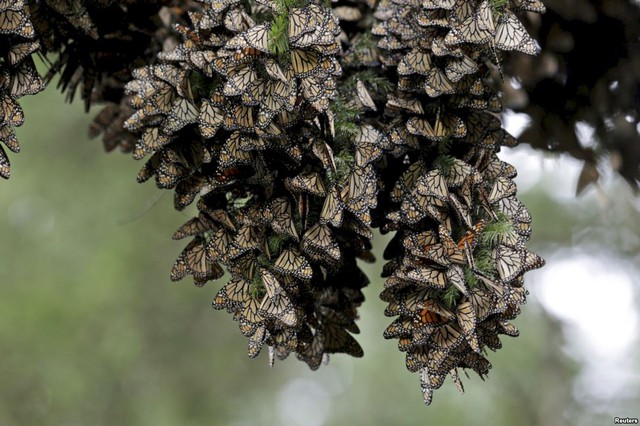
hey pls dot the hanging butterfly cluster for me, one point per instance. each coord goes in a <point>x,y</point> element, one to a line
<point>296,128</point>
<point>457,259</point>
<point>18,76</point>
<point>234,114</point>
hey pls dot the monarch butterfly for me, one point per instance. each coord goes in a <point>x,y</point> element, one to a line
<point>417,243</point>
<point>8,137</point>
<point>437,254</point>
<point>304,62</point>
<point>247,238</point>
<point>5,165</point>
<point>301,21</point>
<point>415,207</point>
<point>476,29</point>
<point>313,91</point>
<point>511,35</point>
<point>496,168</point>
<point>359,195</point>
<point>529,5</point>
<point>183,113</point>
<point>417,358</point>
<point>393,309</point>
<point>447,336</point>
<point>483,302</point>
<point>238,117</point>
<point>368,145</point>
<point>256,37</point>
<point>151,140</point>
<point>457,68</point>
<point>337,340</point>
<point>319,238</point>
<point>243,266</point>
<point>440,363</point>
<point>513,208</point>
<point>431,277</point>
<point>364,96</point>
<point>513,261</point>
<point>25,80</point>
<point>439,48</point>
<point>194,226</point>
<point>342,317</point>
<point>407,180</point>
<point>217,215</point>
<point>332,209</point>
<point>468,322</point>
<point>401,101</point>
<point>416,61</point>
<point>432,314</point>
<point>455,276</point>
<point>462,211</point>
<point>16,53</point>
<point>324,153</point>
<point>502,187</point>
<point>290,262</point>
<point>279,215</point>
<point>171,74</point>
<point>276,303</point>
<point>12,20</point>
<point>312,352</point>
<point>231,155</point>
<point>437,83</point>
<point>234,293</point>
<point>457,172</point>
<point>248,214</point>
<point>306,182</point>
<point>507,328</point>
<point>156,99</point>
<point>433,184</point>
<point>438,4</point>
<point>249,317</point>
<point>165,166</point>
<point>210,119</point>
<point>238,80</point>
<point>257,341</point>
<point>285,341</point>
<point>433,18</point>
<point>236,20</point>
<point>193,261</point>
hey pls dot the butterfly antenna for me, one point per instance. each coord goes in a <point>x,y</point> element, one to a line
<point>152,202</point>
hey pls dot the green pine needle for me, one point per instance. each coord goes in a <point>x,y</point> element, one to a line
<point>495,232</point>
<point>498,5</point>
<point>371,78</point>
<point>279,37</point>
<point>345,115</point>
<point>450,296</point>
<point>444,147</point>
<point>444,163</point>
<point>257,289</point>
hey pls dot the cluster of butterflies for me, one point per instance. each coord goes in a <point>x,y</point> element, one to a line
<point>18,76</point>
<point>456,262</point>
<point>300,126</point>
<point>454,284</point>
<point>227,119</point>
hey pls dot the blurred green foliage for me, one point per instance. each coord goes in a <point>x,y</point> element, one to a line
<point>92,332</point>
